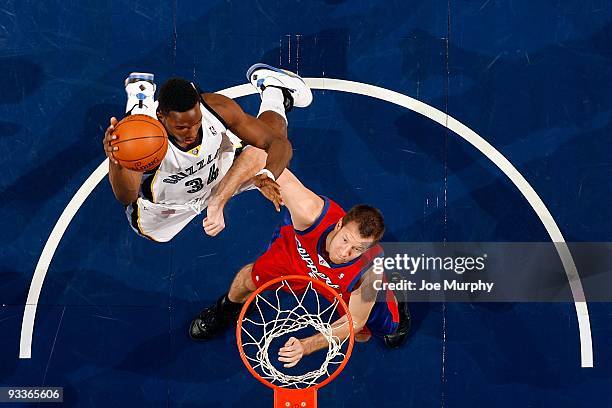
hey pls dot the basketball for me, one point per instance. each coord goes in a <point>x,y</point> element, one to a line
<point>142,142</point>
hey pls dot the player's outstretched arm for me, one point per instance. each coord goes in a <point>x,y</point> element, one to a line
<point>125,182</point>
<point>360,305</point>
<point>303,204</point>
<point>244,167</point>
<point>254,132</point>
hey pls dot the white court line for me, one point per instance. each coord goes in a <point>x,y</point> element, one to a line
<point>582,312</point>
<point>27,325</point>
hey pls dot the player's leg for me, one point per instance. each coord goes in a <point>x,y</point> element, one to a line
<point>242,286</point>
<point>280,91</point>
<point>364,335</point>
<point>215,319</point>
<point>140,89</point>
<point>397,338</point>
<point>389,319</point>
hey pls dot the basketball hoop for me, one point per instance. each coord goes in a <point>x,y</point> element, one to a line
<point>289,312</point>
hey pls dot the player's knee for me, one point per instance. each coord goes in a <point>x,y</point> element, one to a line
<point>247,280</point>
<point>362,337</point>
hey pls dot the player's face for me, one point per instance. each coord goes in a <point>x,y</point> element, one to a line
<point>184,126</point>
<point>347,244</point>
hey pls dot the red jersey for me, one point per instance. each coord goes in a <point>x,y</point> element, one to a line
<point>293,252</point>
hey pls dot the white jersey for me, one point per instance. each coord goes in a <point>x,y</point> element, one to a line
<point>187,176</point>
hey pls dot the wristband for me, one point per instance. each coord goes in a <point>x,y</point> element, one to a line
<point>267,173</point>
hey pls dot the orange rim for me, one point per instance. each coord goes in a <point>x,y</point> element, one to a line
<point>322,288</point>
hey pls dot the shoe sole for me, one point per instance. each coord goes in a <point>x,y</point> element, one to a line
<point>258,66</point>
<point>140,76</point>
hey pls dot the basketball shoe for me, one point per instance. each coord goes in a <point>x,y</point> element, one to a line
<point>398,338</point>
<point>140,88</point>
<point>295,91</point>
<point>215,319</point>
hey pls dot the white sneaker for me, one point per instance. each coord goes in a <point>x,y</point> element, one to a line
<point>293,86</point>
<point>140,88</point>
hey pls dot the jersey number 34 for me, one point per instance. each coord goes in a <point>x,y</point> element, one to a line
<point>197,184</point>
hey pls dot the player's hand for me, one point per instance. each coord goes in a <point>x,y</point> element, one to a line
<point>270,189</point>
<point>214,222</point>
<point>291,353</point>
<point>106,142</point>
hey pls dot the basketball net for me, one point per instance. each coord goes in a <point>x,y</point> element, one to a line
<point>257,333</point>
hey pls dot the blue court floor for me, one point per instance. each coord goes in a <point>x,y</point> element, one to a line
<point>531,78</point>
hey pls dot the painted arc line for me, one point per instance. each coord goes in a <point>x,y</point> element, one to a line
<point>27,324</point>
<point>582,313</point>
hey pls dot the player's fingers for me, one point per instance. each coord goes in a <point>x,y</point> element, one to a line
<point>109,153</point>
<point>287,358</point>
<point>275,190</point>
<point>209,229</point>
<point>217,229</point>
<point>272,195</point>
<point>108,138</point>
<point>289,354</point>
<point>111,157</point>
<point>292,340</point>
<point>276,199</point>
<point>289,365</point>
<point>290,344</point>
<point>213,227</point>
<point>212,220</point>
<point>287,349</point>
<point>213,230</point>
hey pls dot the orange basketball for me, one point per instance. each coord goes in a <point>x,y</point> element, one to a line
<point>142,142</point>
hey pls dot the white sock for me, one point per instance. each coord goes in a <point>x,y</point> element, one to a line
<point>149,107</point>
<point>272,100</point>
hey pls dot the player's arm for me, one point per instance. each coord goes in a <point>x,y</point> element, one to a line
<point>303,204</point>
<point>125,182</point>
<point>254,132</point>
<point>360,305</point>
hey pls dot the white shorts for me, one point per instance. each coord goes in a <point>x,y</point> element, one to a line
<point>161,222</point>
